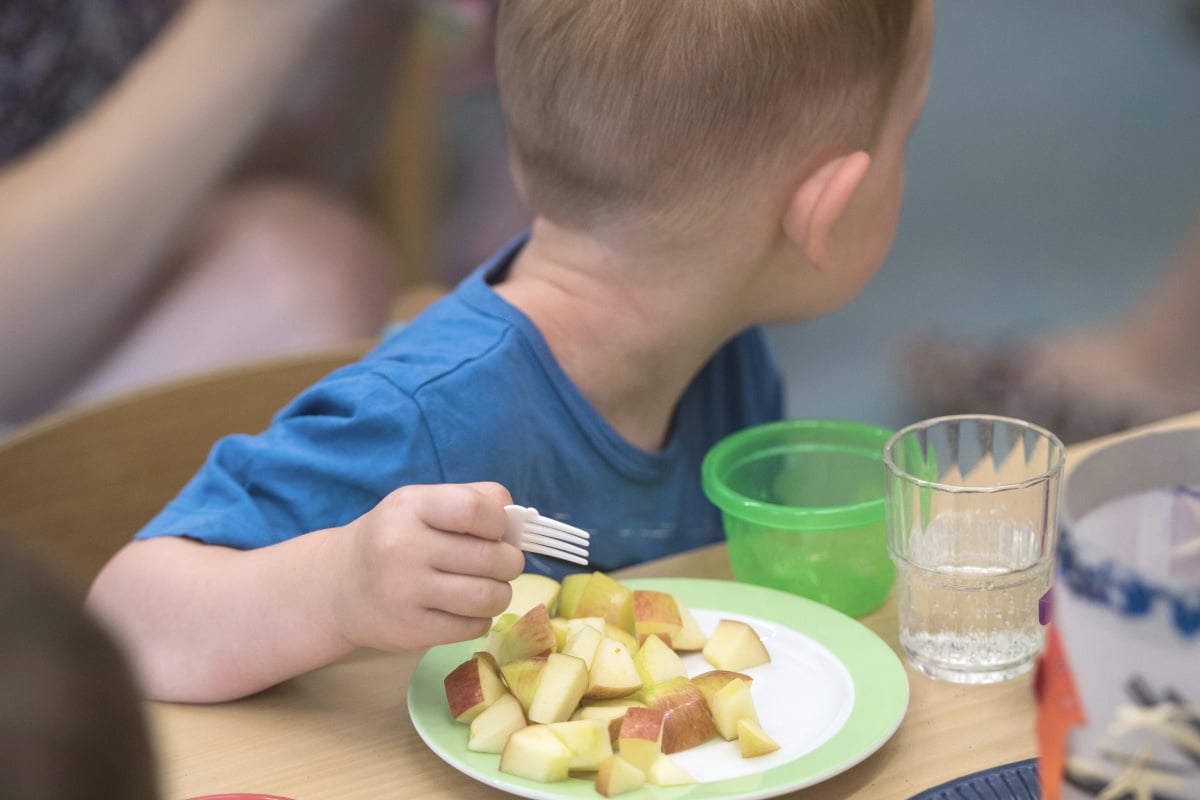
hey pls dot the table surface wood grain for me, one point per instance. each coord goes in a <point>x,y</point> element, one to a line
<point>343,732</point>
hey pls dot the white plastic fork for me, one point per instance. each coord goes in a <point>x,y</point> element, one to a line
<point>533,533</point>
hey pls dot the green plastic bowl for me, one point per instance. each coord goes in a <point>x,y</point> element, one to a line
<point>802,506</point>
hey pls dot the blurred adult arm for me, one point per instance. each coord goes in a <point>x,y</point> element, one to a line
<point>88,219</point>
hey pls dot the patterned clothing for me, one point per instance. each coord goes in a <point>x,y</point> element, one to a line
<point>57,57</point>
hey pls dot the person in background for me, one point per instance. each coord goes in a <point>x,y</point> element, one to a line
<point>177,184</point>
<point>1084,382</point>
<point>695,170</point>
<point>71,725</point>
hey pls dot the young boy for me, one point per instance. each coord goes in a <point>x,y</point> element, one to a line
<point>696,169</point>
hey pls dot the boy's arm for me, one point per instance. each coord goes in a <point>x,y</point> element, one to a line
<point>203,623</point>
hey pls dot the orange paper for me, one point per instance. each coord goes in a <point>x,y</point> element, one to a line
<point>1058,710</point>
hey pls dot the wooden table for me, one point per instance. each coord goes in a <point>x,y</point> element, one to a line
<point>344,732</point>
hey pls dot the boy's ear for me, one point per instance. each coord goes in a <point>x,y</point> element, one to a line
<point>819,202</point>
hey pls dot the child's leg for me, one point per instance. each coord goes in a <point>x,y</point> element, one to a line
<point>269,269</point>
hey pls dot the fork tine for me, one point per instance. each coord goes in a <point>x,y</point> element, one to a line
<point>529,547</point>
<point>549,541</point>
<point>558,526</point>
<point>553,532</point>
<point>533,533</point>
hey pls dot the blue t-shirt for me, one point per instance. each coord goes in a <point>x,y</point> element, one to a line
<point>469,391</point>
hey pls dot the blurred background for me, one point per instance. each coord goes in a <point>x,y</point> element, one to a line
<point>1055,170</point>
<point>1054,173</point>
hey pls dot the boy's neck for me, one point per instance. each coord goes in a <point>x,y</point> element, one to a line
<point>630,326</point>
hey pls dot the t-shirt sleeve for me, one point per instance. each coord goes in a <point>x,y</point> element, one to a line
<point>328,457</point>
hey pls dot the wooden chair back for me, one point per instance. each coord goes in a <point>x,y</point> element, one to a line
<point>76,485</point>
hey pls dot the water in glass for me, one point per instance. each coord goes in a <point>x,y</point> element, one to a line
<point>973,618</point>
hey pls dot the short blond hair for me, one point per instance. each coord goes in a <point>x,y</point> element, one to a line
<point>632,107</point>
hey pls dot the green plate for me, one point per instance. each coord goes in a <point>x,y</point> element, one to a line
<point>833,693</point>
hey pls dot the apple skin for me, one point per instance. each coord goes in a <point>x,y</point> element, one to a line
<point>687,719</point>
<point>611,711</point>
<point>655,612</point>
<point>568,595</point>
<point>472,686</point>
<point>617,776</point>
<point>604,597</point>
<point>641,736</point>
<point>736,646</point>
<point>531,635</point>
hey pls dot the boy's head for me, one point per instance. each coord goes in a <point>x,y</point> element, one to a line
<point>70,720</point>
<point>631,112</point>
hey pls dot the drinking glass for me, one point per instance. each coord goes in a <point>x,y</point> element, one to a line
<point>972,512</point>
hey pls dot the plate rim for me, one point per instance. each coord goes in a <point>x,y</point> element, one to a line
<point>874,722</point>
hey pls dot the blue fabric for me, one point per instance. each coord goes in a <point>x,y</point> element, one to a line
<point>469,391</point>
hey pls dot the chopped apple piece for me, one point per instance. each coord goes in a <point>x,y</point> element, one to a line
<point>613,673</point>
<point>523,677</point>
<point>642,637</point>
<point>563,682</point>
<point>604,597</point>
<point>491,729</point>
<point>531,635</point>
<point>709,682</point>
<point>473,686</point>
<point>657,662</point>
<point>568,595</point>
<point>499,627</point>
<point>588,740</point>
<point>575,623</point>
<point>535,752</point>
<point>560,633</point>
<point>640,739</point>
<point>690,636</point>
<point>610,711</point>
<point>734,645</point>
<point>665,772</point>
<point>624,637</point>
<point>530,589</point>
<point>687,720</point>
<point>753,740</point>
<point>583,643</point>
<point>731,704</point>
<point>655,612</point>
<point>617,776</point>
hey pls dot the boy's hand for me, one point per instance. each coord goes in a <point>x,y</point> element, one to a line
<point>426,566</point>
